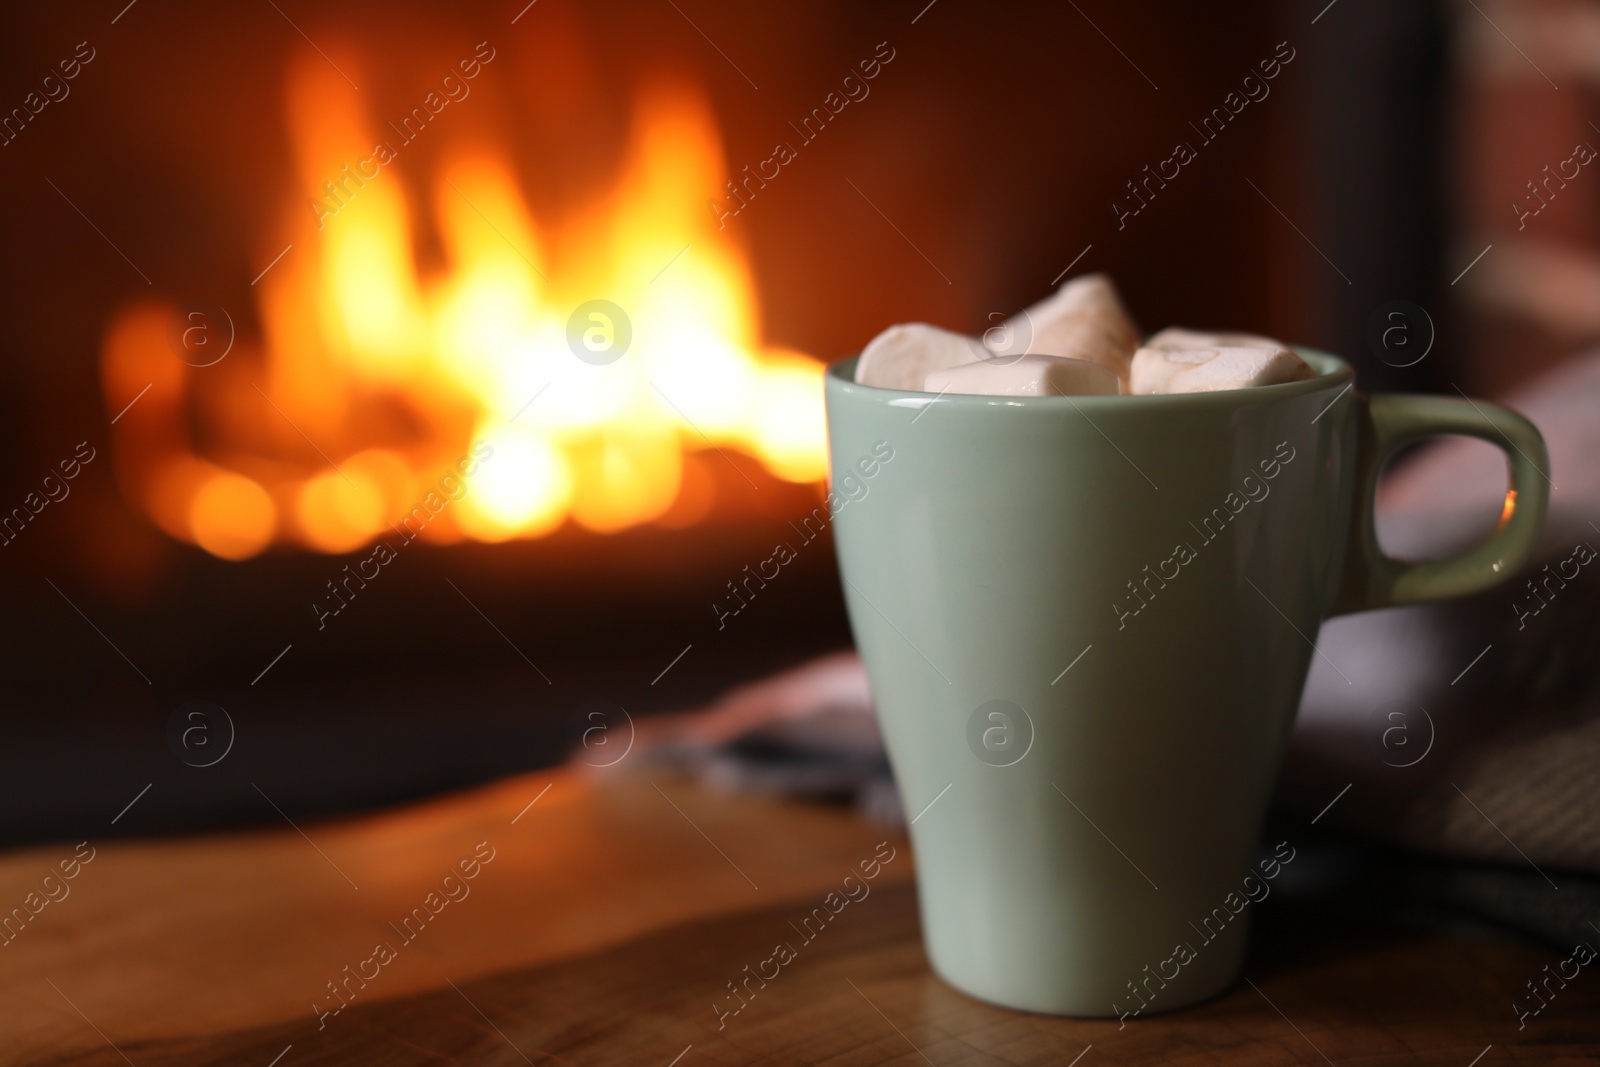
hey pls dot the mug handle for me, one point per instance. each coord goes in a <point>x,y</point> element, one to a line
<point>1374,580</point>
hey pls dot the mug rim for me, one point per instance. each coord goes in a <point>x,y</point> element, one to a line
<point>1331,371</point>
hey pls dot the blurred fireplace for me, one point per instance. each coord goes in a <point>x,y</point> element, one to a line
<point>598,367</point>
<point>289,269</point>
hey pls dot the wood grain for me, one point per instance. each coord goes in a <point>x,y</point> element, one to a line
<point>194,936</point>
<point>609,924</point>
<point>861,993</point>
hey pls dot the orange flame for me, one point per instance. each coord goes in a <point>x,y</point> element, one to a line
<point>372,380</point>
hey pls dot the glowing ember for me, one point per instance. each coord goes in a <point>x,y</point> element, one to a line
<point>372,379</point>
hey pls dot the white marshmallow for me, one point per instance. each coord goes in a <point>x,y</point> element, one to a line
<point>1210,370</point>
<point>1237,367</point>
<point>1172,362</point>
<point>1153,368</point>
<point>1084,319</point>
<point>1025,376</point>
<point>901,356</point>
<point>1176,337</point>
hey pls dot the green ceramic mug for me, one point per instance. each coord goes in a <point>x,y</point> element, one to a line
<point>1087,622</point>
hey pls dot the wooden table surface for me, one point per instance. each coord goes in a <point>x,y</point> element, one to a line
<point>612,915</point>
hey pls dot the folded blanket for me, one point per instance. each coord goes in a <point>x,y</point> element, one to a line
<point>1504,686</point>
